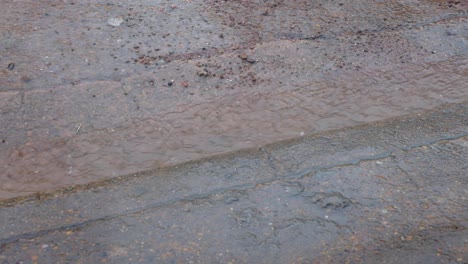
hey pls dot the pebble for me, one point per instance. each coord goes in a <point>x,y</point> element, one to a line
<point>202,73</point>
<point>250,60</point>
<point>246,58</point>
<point>115,22</point>
<point>11,66</point>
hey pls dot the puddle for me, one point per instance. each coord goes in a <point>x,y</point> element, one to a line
<point>81,113</point>
<point>230,123</point>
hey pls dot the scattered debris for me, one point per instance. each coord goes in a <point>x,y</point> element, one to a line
<point>115,22</point>
<point>78,128</point>
<point>250,60</point>
<point>203,73</point>
<point>243,56</point>
<point>246,58</point>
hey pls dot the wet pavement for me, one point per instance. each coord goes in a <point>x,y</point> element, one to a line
<point>250,131</point>
<point>94,89</point>
<point>380,193</point>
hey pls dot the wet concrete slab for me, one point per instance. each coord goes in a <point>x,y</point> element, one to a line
<point>91,90</point>
<point>375,193</point>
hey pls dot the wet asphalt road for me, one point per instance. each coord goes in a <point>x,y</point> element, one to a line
<point>233,131</point>
<point>381,193</point>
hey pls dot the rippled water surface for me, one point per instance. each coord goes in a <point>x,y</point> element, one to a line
<point>74,114</point>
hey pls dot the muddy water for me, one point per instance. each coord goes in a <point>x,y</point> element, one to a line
<point>98,104</point>
<point>232,122</point>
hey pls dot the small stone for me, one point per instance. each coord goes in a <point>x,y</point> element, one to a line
<point>115,22</point>
<point>170,83</point>
<point>243,56</point>
<point>250,60</point>
<point>11,66</point>
<point>202,73</point>
<point>184,84</point>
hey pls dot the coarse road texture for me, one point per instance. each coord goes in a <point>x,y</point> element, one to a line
<point>379,193</point>
<point>222,131</point>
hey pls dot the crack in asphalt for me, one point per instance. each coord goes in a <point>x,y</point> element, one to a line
<point>434,141</point>
<point>240,187</point>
